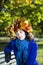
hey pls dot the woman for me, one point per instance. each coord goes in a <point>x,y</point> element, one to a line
<point>24,47</point>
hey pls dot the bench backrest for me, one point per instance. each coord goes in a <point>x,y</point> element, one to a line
<point>2,59</point>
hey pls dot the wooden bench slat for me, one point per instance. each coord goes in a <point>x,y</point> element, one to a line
<point>8,63</point>
<point>14,63</point>
<point>2,59</point>
<point>2,52</point>
<point>3,55</point>
<point>11,61</point>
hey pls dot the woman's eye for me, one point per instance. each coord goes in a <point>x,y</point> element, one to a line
<point>20,31</point>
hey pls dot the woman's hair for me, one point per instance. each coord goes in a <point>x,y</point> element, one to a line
<point>27,35</point>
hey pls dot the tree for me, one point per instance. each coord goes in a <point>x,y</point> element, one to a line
<point>32,10</point>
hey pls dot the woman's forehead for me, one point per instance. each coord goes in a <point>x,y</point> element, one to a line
<point>20,31</point>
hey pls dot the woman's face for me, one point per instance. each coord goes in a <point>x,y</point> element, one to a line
<point>20,34</point>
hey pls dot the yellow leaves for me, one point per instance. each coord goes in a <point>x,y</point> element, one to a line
<point>5,6</point>
<point>20,1</point>
<point>39,1</point>
<point>42,17</point>
<point>5,29</point>
<point>28,1</point>
<point>1,21</point>
<point>29,20</point>
<point>25,11</point>
<point>41,8</point>
<point>9,23</point>
<point>12,1</point>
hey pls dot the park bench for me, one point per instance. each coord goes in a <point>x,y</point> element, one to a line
<point>2,59</point>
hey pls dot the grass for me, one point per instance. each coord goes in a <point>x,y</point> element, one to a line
<point>40,42</point>
<point>40,56</point>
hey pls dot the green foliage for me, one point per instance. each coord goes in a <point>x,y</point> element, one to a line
<point>13,9</point>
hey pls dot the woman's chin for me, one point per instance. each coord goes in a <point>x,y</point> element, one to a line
<point>22,38</point>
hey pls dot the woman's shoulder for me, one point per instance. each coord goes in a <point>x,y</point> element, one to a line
<point>12,41</point>
<point>33,43</point>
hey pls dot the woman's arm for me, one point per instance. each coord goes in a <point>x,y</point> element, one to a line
<point>33,54</point>
<point>8,50</point>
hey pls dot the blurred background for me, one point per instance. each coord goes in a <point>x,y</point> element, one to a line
<point>32,10</point>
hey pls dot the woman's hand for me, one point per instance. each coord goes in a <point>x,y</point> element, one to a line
<point>7,57</point>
